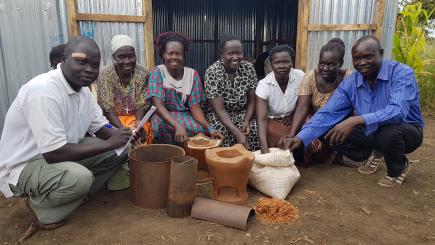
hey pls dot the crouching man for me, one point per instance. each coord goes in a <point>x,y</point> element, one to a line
<point>44,154</point>
<point>374,112</point>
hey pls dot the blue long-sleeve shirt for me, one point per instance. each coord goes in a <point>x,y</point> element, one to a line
<point>394,99</point>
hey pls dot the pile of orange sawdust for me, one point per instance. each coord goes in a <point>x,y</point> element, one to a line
<point>274,210</point>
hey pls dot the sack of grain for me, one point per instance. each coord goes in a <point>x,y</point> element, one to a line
<point>274,173</point>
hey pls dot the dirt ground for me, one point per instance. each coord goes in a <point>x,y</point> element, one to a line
<point>337,206</point>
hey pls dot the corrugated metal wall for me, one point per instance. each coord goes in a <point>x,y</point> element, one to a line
<point>389,27</point>
<point>204,21</point>
<point>347,12</point>
<point>28,30</point>
<point>102,32</point>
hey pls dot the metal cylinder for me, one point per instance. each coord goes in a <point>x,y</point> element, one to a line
<point>181,194</point>
<point>222,213</point>
<point>149,174</point>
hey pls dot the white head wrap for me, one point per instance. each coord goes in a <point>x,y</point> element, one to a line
<point>119,41</point>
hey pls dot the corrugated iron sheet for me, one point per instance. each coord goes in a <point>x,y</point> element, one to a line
<point>389,27</point>
<point>204,21</point>
<point>28,30</point>
<point>102,32</point>
<point>347,12</point>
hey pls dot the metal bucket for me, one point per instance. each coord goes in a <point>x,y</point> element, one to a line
<point>149,174</point>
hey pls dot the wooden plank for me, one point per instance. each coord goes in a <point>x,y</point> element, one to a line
<point>147,11</point>
<point>380,9</point>
<point>342,27</point>
<point>302,34</point>
<point>71,9</point>
<point>110,18</point>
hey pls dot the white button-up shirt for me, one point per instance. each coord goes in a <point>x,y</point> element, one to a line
<point>280,104</point>
<point>46,114</point>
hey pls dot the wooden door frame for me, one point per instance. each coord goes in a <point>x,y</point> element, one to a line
<point>304,26</point>
<point>146,18</point>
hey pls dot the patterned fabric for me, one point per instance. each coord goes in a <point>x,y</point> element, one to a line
<point>309,87</point>
<point>130,122</point>
<point>235,96</point>
<point>395,99</point>
<point>163,131</point>
<point>113,95</point>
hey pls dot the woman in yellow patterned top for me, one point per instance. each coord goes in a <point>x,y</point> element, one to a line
<point>316,88</point>
<point>122,87</point>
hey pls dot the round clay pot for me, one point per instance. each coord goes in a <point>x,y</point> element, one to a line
<point>149,174</point>
<point>230,168</point>
<point>196,147</point>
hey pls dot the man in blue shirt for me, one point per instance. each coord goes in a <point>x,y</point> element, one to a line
<point>376,109</point>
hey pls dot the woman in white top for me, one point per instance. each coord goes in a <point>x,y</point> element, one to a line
<point>276,97</point>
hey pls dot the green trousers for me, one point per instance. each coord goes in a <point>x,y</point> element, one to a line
<point>55,190</point>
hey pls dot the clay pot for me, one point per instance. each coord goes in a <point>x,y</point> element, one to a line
<point>196,147</point>
<point>230,168</point>
<point>182,180</point>
<point>149,174</point>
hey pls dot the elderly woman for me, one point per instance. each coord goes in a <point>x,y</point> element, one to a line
<point>229,85</point>
<point>316,88</point>
<point>276,97</point>
<point>121,88</point>
<point>177,93</point>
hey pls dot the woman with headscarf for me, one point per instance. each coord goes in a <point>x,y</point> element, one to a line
<point>122,87</point>
<point>316,88</point>
<point>276,97</point>
<point>229,86</point>
<point>177,93</point>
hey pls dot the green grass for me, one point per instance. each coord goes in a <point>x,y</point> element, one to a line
<point>426,80</point>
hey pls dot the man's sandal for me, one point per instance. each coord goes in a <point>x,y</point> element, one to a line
<point>36,226</point>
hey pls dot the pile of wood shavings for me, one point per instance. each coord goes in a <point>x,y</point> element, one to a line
<point>274,210</point>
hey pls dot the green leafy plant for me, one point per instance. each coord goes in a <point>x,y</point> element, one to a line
<point>409,40</point>
<point>409,46</point>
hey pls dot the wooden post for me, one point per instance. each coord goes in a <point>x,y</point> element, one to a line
<point>147,12</point>
<point>71,9</point>
<point>302,34</point>
<point>380,9</point>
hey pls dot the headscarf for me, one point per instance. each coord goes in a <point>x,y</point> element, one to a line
<point>119,41</point>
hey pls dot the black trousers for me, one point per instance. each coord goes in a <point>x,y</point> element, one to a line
<point>393,140</point>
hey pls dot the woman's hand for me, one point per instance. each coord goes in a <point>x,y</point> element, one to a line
<point>215,134</point>
<point>181,135</point>
<point>246,129</point>
<point>241,139</point>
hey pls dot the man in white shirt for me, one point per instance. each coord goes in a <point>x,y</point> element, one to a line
<point>44,154</point>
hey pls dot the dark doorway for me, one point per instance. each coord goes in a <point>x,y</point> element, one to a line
<point>260,24</point>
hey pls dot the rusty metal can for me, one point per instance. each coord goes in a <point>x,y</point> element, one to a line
<point>182,180</point>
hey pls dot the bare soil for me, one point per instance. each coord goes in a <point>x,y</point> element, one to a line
<point>337,206</point>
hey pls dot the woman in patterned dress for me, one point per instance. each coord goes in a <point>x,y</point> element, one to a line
<point>121,88</point>
<point>317,87</point>
<point>177,93</point>
<point>229,86</point>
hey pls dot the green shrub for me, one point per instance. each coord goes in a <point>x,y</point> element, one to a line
<point>409,47</point>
